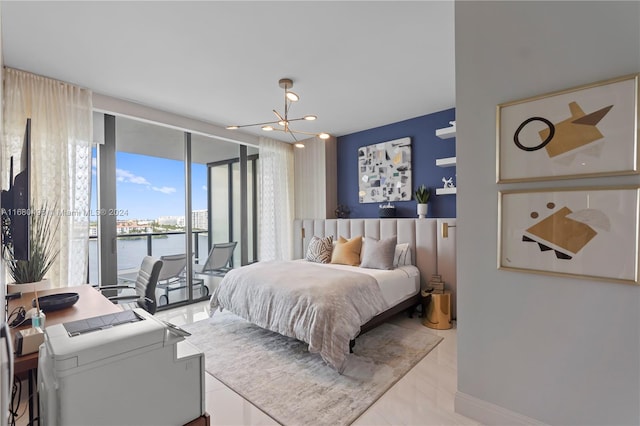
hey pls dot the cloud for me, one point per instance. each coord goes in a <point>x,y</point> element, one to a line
<point>127,176</point>
<point>164,189</point>
<point>204,187</point>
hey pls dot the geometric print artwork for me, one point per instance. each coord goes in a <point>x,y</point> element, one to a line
<point>384,171</point>
<point>585,131</point>
<point>564,231</point>
<point>568,135</point>
<point>586,232</point>
<point>320,249</point>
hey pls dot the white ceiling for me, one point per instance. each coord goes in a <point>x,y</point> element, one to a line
<point>356,65</point>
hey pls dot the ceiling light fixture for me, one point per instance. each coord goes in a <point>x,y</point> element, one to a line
<point>284,120</point>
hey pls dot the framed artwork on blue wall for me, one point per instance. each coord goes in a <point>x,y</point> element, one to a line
<point>384,171</point>
<point>587,131</point>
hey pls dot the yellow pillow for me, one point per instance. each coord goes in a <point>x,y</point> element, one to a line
<point>347,252</point>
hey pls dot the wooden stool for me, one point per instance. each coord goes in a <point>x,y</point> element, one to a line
<point>439,312</point>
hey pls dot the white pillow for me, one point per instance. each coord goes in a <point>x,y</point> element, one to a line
<point>402,255</point>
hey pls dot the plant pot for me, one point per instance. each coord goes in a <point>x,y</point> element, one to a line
<point>422,210</point>
<point>28,287</point>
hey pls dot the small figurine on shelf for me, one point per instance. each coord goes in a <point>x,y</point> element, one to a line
<point>448,183</point>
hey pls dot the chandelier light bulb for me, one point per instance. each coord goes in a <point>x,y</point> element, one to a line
<point>282,122</point>
<point>267,128</point>
<point>232,127</point>
<point>292,97</point>
<point>310,117</point>
<point>324,136</point>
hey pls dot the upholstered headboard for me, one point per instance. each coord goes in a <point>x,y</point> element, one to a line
<point>430,252</point>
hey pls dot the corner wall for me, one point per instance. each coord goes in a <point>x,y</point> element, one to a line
<point>426,147</point>
<point>558,350</point>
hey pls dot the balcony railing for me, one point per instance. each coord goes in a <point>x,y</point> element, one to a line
<point>130,254</point>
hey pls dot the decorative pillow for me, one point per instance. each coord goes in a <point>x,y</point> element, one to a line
<point>378,254</point>
<point>402,255</point>
<point>347,252</point>
<point>320,249</point>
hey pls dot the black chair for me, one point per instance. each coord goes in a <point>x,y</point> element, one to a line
<point>145,287</point>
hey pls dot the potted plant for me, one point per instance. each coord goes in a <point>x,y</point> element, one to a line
<point>43,226</point>
<point>422,198</point>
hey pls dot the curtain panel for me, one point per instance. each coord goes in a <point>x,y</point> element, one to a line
<point>61,132</point>
<point>276,200</point>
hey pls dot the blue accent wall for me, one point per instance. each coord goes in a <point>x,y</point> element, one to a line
<point>426,148</point>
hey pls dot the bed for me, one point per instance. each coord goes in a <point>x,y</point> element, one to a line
<point>329,305</point>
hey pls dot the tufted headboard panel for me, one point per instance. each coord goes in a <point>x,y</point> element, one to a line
<point>421,234</point>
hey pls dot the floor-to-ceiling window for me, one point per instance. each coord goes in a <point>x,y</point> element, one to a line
<point>150,177</point>
<point>228,218</point>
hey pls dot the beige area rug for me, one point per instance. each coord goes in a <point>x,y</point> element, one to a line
<point>294,387</point>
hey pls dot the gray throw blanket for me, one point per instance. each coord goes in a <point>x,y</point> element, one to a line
<point>321,306</point>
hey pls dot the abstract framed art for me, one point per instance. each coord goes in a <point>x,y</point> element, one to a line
<point>581,232</point>
<point>586,131</point>
<point>384,171</point>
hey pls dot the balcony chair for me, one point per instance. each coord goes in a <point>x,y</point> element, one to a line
<point>172,276</point>
<point>219,261</point>
<point>145,287</point>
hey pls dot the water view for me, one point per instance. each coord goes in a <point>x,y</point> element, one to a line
<point>131,251</point>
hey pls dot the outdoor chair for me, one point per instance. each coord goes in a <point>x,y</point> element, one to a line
<point>172,276</point>
<point>145,287</point>
<point>219,261</point>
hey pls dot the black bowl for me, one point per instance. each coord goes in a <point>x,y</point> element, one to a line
<point>54,302</point>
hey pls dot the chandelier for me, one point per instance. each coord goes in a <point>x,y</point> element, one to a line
<point>283,119</point>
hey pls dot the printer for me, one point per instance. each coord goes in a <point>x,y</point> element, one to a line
<point>127,368</point>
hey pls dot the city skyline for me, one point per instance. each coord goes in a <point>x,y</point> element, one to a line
<point>149,187</point>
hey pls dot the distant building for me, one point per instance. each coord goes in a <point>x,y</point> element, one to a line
<point>170,220</point>
<point>200,219</point>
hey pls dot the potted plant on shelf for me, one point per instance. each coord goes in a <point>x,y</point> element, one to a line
<point>422,198</point>
<point>43,226</point>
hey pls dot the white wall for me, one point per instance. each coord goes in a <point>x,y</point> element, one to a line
<point>559,350</point>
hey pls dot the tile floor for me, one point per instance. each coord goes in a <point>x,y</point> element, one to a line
<point>424,396</point>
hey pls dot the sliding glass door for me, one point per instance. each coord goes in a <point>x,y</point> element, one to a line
<point>171,195</point>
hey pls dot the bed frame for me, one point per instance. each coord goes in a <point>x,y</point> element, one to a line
<point>421,235</point>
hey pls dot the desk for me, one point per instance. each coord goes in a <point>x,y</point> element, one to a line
<point>91,303</point>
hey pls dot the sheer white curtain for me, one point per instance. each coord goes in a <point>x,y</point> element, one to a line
<point>61,134</point>
<point>275,200</point>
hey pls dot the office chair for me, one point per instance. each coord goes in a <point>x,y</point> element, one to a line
<point>145,287</point>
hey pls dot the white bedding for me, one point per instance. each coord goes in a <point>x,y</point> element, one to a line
<point>396,285</point>
<point>324,307</point>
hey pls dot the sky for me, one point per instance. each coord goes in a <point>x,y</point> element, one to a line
<point>149,187</point>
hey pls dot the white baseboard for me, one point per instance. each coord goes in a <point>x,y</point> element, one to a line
<point>488,413</point>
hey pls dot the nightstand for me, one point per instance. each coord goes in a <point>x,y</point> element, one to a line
<point>438,312</point>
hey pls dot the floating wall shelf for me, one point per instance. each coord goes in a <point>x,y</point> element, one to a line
<point>445,191</point>
<point>446,162</point>
<point>447,132</point>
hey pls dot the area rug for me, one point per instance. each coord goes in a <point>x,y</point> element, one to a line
<point>278,375</point>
